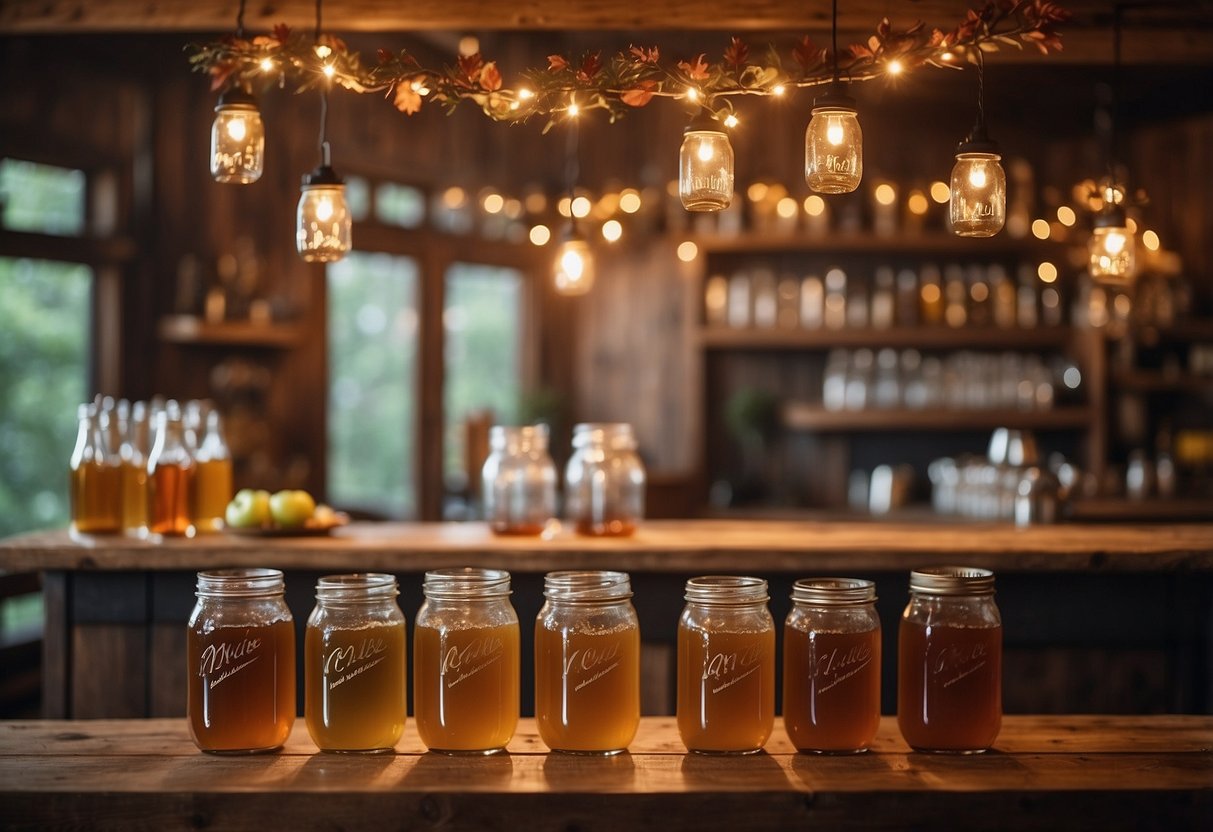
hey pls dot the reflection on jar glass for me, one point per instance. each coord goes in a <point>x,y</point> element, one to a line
<point>519,480</point>
<point>604,480</point>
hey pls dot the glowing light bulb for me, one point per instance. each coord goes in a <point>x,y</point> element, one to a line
<point>833,146</point>
<point>323,221</point>
<point>687,251</point>
<point>895,67</point>
<point>525,94</point>
<point>940,192</point>
<point>324,209</point>
<point>778,89</point>
<point>977,177</point>
<point>237,139</point>
<point>323,51</point>
<point>540,234</point>
<point>329,70</point>
<point>978,206</point>
<point>692,94</point>
<point>731,121</point>
<point>581,207</point>
<point>1113,252</point>
<point>574,111</point>
<point>1149,239</point>
<point>612,230</point>
<point>629,201</point>
<point>705,166</point>
<point>266,65</point>
<point>574,267</point>
<point>1114,242</point>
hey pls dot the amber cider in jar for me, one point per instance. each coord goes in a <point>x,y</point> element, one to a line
<point>170,476</point>
<point>466,662</point>
<point>949,682</point>
<point>95,476</point>
<point>726,666</point>
<point>831,666</point>
<point>354,664</point>
<point>587,663</point>
<point>240,654</point>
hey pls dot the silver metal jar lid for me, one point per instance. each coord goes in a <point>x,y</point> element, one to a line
<point>952,580</point>
<point>833,592</point>
<point>726,590</point>
<point>587,586</point>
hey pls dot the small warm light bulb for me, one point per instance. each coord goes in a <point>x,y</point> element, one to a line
<point>329,70</point>
<point>323,221</point>
<point>540,234</point>
<point>493,203</point>
<point>574,110</point>
<point>1113,255</point>
<point>885,194</point>
<point>266,65</point>
<point>323,51</point>
<point>917,203</point>
<point>1040,229</point>
<point>979,193</point>
<point>705,166</point>
<point>814,205</point>
<point>778,89</point>
<point>787,208</point>
<point>581,207</point>
<point>692,94</point>
<point>895,67</point>
<point>525,94</point>
<point>687,251</point>
<point>940,192</point>
<point>237,139</point>
<point>573,266</point>
<point>947,56</point>
<point>1149,239</point>
<point>1047,272</point>
<point>629,201</point>
<point>1066,216</point>
<point>833,146</point>
<point>612,230</point>
<point>731,121</point>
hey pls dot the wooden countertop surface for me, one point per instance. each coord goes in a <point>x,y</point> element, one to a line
<point>1073,772</point>
<point>658,546</point>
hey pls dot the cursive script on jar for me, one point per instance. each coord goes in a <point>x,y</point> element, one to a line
<point>954,662</point>
<point>728,669</point>
<point>342,659</point>
<point>834,665</point>
<point>476,653</point>
<point>217,656</point>
<point>838,164</point>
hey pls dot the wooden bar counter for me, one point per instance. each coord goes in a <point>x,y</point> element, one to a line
<point>1062,772</point>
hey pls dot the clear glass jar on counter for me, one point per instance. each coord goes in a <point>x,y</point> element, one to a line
<point>604,480</point>
<point>726,665</point>
<point>354,664</point>
<point>466,662</point>
<point>519,480</point>
<point>831,666</point>
<point>587,663</point>
<point>949,680</point>
<point>240,649</point>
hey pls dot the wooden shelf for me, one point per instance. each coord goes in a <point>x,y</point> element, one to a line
<point>187,329</point>
<point>1156,381</point>
<point>831,243</point>
<point>918,337</point>
<point>814,417</point>
<point>1120,509</point>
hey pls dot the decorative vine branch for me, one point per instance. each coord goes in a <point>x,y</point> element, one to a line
<point>626,81</point>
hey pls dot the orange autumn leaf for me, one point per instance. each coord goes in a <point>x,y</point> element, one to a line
<point>407,100</point>
<point>645,55</point>
<point>697,71</point>
<point>490,77</point>
<point>556,63</point>
<point>639,95</point>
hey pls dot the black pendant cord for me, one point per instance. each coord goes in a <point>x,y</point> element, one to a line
<point>240,20</point>
<point>1114,92</point>
<point>572,169</point>
<point>981,92</point>
<point>318,18</point>
<point>834,40</point>
<point>325,152</point>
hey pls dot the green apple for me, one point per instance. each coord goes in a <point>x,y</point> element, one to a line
<point>249,509</point>
<point>292,509</point>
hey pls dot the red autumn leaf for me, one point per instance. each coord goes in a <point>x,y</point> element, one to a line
<point>645,56</point>
<point>859,52</point>
<point>470,67</point>
<point>385,57</point>
<point>882,28</point>
<point>736,53</point>
<point>557,63</point>
<point>220,73</point>
<point>807,54</point>
<point>591,65</point>
<point>407,100</point>
<point>697,71</point>
<point>490,77</point>
<point>281,32</point>
<point>938,40</point>
<point>639,95</point>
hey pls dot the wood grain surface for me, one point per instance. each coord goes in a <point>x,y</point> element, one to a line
<point>1045,772</point>
<point>658,546</point>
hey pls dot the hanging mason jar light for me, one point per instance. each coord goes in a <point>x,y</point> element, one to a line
<point>705,165</point>
<point>978,203</point>
<point>573,269</point>
<point>323,222</point>
<point>833,141</point>
<point>237,139</point>
<point>1112,247</point>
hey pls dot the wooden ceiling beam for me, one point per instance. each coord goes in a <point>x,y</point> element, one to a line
<point>1157,33</point>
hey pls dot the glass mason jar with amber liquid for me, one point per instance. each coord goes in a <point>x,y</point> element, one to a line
<point>519,481</point>
<point>95,476</point>
<point>726,666</point>
<point>831,666</point>
<point>949,680</point>
<point>240,662</point>
<point>587,663</point>
<point>354,664</point>
<point>604,481</point>
<point>170,476</point>
<point>466,662</point>
<point>212,478</point>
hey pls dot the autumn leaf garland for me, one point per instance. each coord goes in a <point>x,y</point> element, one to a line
<point>627,80</point>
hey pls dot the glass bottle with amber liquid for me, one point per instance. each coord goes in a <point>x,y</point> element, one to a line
<point>212,477</point>
<point>95,476</point>
<point>949,679</point>
<point>726,666</point>
<point>170,476</point>
<point>831,666</point>
<point>134,470</point>
<point>354,664</point>
<point>466,662</point>
<point>587,663</point>
<point>240,662</point>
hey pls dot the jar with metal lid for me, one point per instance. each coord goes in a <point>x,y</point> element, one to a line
<point>519,480</point>
<point>354,664</point>
<point>587,663</point>
<point>240,649</point>
<point>831,666</point>
<point>949,681</point>
<point>604,480</point>
<point>466,662</point>
<point>726,665</point>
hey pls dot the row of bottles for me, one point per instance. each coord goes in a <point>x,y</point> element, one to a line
<point>604,481</point>
<point>955,297</point>
<point>149,469</point>
<point>587,663</point>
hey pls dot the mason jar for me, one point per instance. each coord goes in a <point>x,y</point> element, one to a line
<point>726,665</point>
<point>519,480</point>
<point>240,653</point>
<point>604,480</point>
<point>831,666</point>
<point>354,664</point>
<point>587,663</point>
<point>949,680</point>
<point>466,662</point>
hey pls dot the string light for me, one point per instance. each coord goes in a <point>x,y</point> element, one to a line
<point>1149,239</point>
<point>833,141</point>
<point>687,251</point>
<point>705,166</point>
<point>267,65</point>
<point>978,206</point>
<point>894,67</point>
<point>778,89</point>
<point>629,201</point>
<point>540,235</point>
<point>574,110</point>
<point>731,121</point>
<point>612,230</point>
<point>237,133</point>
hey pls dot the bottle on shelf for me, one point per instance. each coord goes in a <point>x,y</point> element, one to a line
<point>95,476</point>
<point>212,477</point>
<point>170,474</point>
<point>134,469</point>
